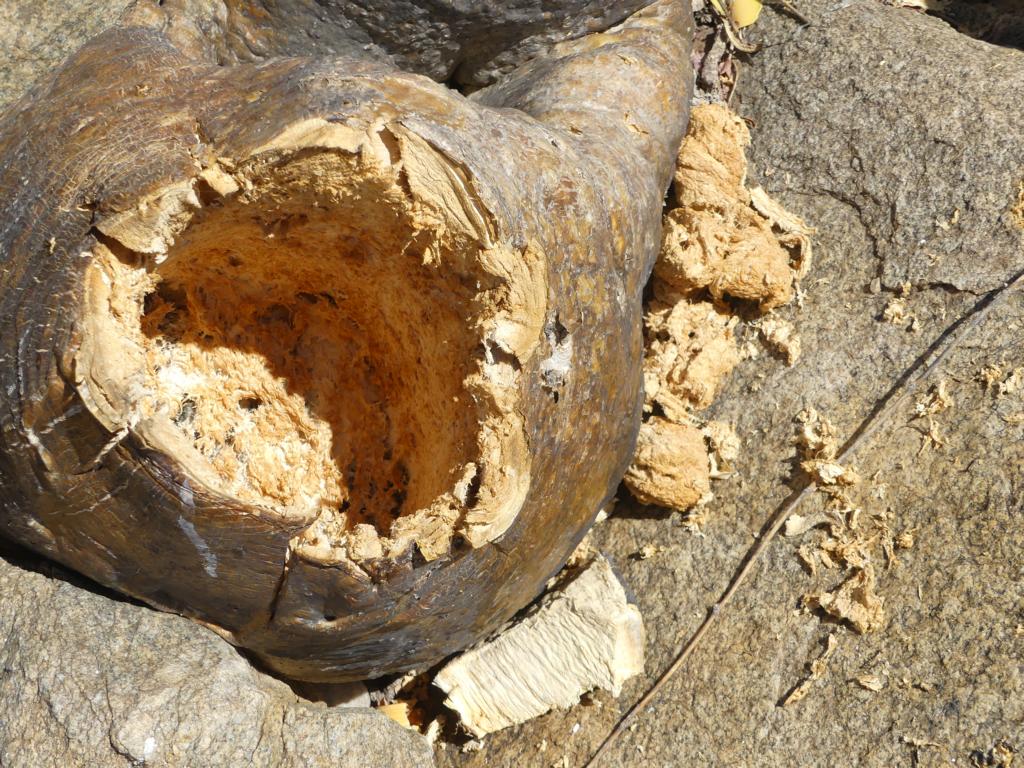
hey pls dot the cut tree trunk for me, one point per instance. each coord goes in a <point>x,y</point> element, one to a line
<point>318,352</point>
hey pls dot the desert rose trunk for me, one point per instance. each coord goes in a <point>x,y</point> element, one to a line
<point>317,351</point>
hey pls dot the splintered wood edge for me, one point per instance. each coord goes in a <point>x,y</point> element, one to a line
<point>585,636</point>
<point>508,314</point>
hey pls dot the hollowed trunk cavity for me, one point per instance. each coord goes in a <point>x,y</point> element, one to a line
<point>319,341</point>
<point>311,363</point>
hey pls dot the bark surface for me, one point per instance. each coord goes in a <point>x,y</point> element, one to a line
<point>468,43</point>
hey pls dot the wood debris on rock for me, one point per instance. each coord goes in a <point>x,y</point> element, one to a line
<point>817,670</point>
<point>873,683</point>
<point>927,407</point>
<point>854,601</point>
<point>724,445</point>
<point>716,239</point>
<point>670,467</point>
<point>850,535</point>
<point>722,242</point>
<point>585,636</point>
<point>818,446</point>
<point>781,336</point>
<point>1017,211</point>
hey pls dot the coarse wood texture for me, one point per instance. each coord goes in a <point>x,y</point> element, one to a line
<point>118,174</point>
<point>585,635</point>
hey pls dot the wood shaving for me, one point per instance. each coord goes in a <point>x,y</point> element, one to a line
<point>1017,211</point>
<point>723,447</point>
<point>1012,384</point>
<point>647,551</point>
<point>991,375</point>
<point>871,682</point>
<point>844,549</point>
<point>933,438</point>
<point>797,525</point>
<point>749,351</point>
<point>895,311</point>
<point>854,601</point>
<point>936,400</point>
<point>817,669</point>
<point>695,518</point>
<point>994,378</point>
<point>818,445</point>
<point>816,437</point>
<point>830,472</point>
<point>586,635</point>
<point>782,337</point>
<point>933,402</point>
<point>905,540</point>
<point>808,557</point>
<point>947,224</point>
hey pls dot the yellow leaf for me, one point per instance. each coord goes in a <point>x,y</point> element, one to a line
<point>745,12</point>
<point>718,7</point>
<point>399,712</point>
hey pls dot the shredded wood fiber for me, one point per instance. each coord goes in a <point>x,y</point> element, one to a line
<point>722,243</point>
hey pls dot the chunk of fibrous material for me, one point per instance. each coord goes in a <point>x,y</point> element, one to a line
<point>721,242</point>
<point>670,467</point>
<point>722,237</point>
<point>302,344</point>
<point>583,636</point>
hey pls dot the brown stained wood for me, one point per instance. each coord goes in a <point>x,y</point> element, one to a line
<point>529,218</point>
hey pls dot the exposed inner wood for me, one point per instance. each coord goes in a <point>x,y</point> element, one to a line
<point>323,338</point>
<point>314,359</point>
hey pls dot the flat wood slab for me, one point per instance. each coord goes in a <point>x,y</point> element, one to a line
<point>584,636</point>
